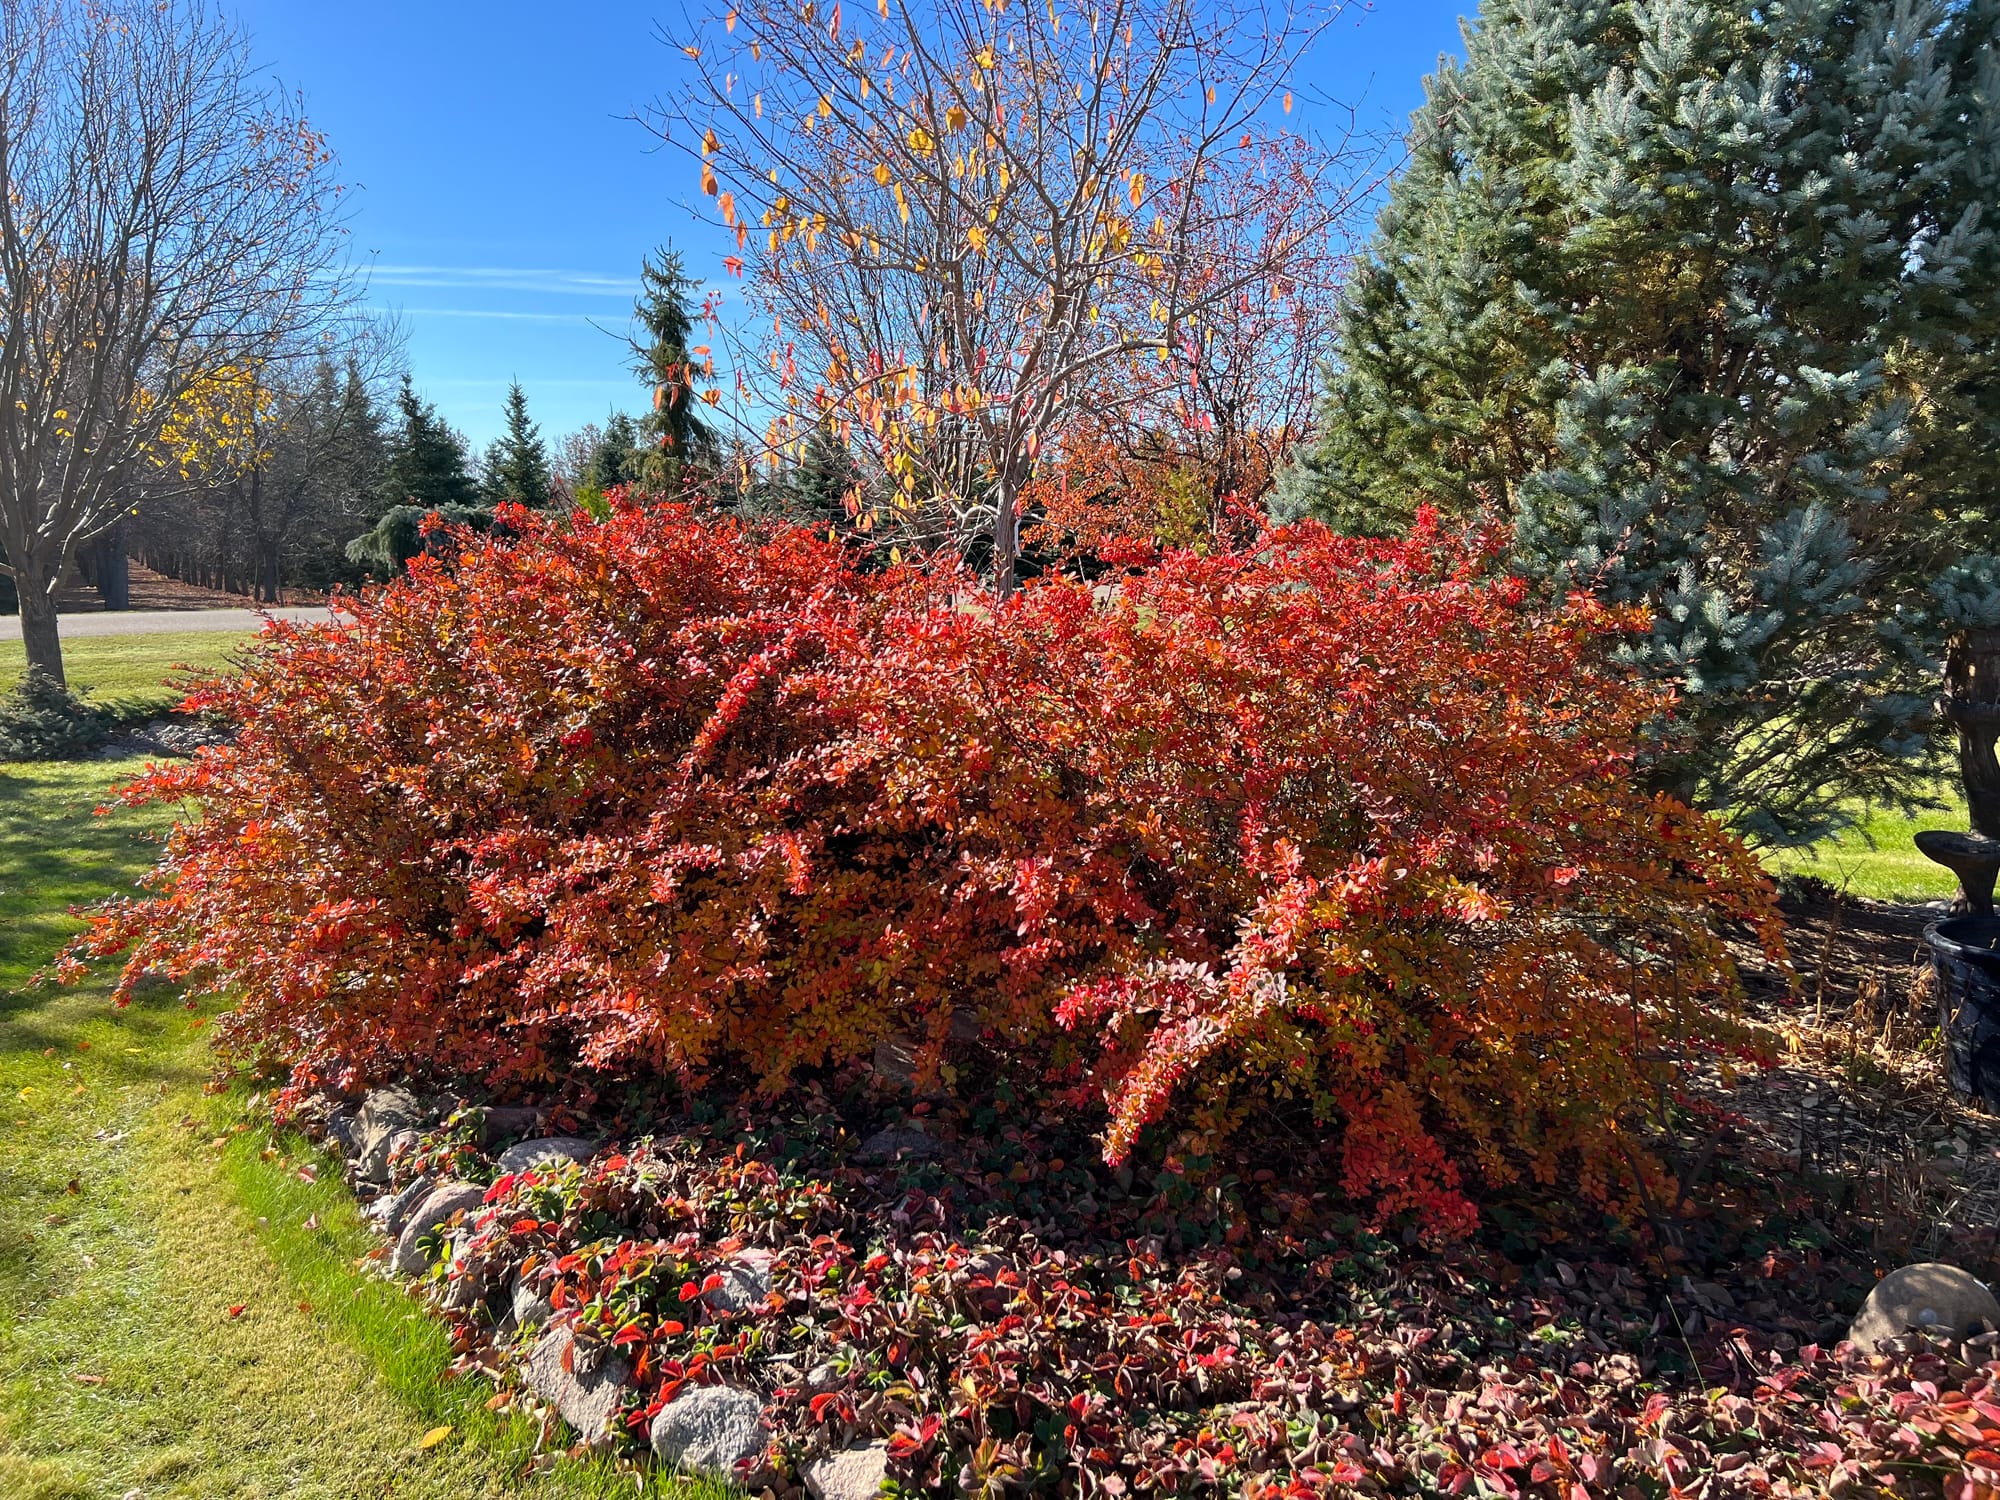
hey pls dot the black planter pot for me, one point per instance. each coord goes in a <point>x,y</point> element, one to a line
<point>1966,954</point>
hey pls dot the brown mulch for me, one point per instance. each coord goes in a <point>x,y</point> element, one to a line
<point>1857,1113</point>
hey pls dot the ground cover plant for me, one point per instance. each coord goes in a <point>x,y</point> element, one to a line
<point>996,1314</point>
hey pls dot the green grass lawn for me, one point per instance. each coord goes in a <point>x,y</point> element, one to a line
<point>1878,859</point>
<point>127,673</point>
<point>180,1311</point>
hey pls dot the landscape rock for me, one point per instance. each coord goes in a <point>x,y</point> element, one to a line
<point>823,1377</point>
<point>906,1142</point>
<point>746,1281</point>
<point>437,1209</point>
<point>551,1148</point>
<point>466,1288</point>
<point>157,737</point>
<point>528,1305</point>
<point>710,1430</point>
<point>385,1115</point>
<point>854,1473</point>
<point>1930,1296</point>
<point>340,1129</point>
<point>502,1121</point>
<point>896,1061</point>
<point>586,1395</point>
<point>401,1205</point>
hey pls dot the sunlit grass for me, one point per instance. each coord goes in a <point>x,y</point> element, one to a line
<point>1877,858</point>
<point>181,1314</point>
<point>128,673</point>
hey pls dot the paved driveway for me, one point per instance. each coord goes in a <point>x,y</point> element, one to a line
<point>163,621</point>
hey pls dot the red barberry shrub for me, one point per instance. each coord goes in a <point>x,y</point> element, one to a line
<point>1340,830</point>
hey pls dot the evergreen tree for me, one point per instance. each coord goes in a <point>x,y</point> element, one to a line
<point>1700,296</point>
<point>823,481</point>
<point>517,464</point>
<point>672,436</point>
<point>426,472</point>
<point>615,459</point>
<point>426,462</point>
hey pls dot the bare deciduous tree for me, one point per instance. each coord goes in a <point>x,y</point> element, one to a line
<point>962,214</point>
<point>168,221</point>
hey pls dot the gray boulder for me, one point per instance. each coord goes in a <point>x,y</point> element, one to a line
<point>401,1205</point>
<point>500,1121</point>
<point>897,1143</point>
<point>855,1473</point>
<point>528,1305</point>
<point>709,1431</point>
<point>385,1114</point>
<point>437,1209</point>
<point>588,1394</point>
<point>746,1281</point>
<point>1930,1297</point>
<point>896,1061</point>
<point>549,1150</point>
<point>340,1129</point>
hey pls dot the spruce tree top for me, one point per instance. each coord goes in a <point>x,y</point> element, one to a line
<point>519,465</point>
<point>673,433</point>
<point>426,463</point>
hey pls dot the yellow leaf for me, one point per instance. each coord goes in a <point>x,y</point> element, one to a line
<point>825,107</point>
<point>709,144</point>
<point>920,139</point>
<point>432,1438</point>
<point>1138,188</point>
<point>954,118</point>
<point>881,174</point>
<point>729,21</point>
<point>708,183</point>
<point>1288,101</point>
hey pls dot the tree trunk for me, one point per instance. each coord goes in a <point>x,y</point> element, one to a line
<point>39,632</point>
<point>1006,538</point>
<point>114,569</point>
<point>1972,704</point>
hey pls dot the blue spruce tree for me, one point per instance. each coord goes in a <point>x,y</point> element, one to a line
<point>1702,297</point>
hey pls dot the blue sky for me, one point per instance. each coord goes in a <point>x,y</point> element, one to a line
<point>502,197</point>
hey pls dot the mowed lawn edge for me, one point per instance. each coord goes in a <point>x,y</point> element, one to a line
<point>181,1310</point>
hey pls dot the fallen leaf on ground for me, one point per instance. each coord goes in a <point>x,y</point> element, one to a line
<point>435,1436</point>
<point>237,1310</point>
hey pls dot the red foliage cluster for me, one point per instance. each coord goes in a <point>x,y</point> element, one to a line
<point>1009,1364</point>
<point>1346,830</point>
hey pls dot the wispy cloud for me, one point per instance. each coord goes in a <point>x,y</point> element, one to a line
<point>544,280</point>
<point>495,312</point>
